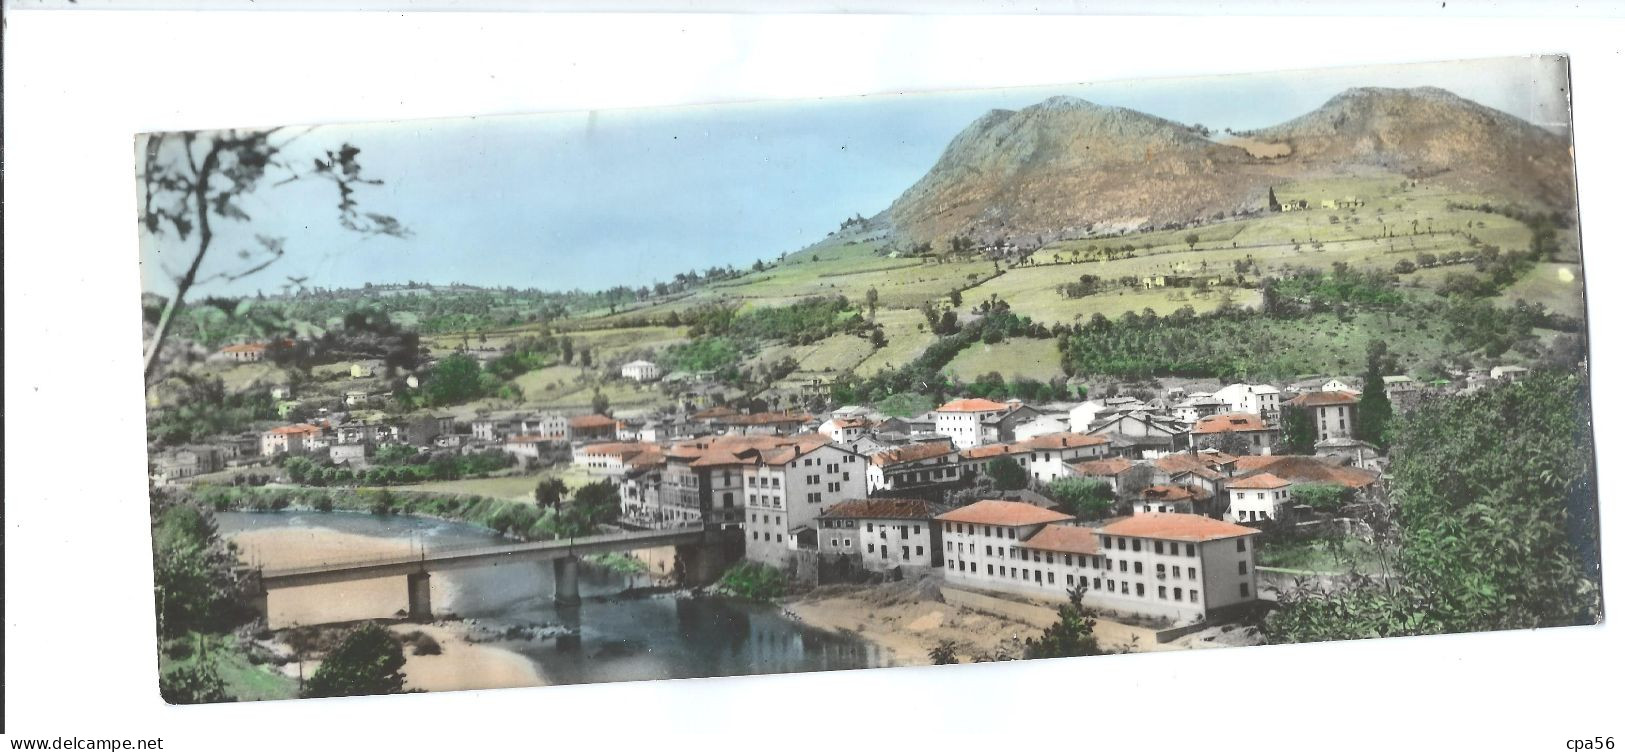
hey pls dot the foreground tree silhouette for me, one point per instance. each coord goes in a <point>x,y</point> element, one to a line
<point>1072,634</point>
<point>367,662</point>
<point>189,179</point>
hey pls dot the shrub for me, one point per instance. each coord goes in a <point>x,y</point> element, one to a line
<point>752,581</point>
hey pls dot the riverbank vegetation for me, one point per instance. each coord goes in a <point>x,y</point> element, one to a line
<point>752,581</point>
<point>397,464</point>
<point>589,507</point>
<point>199,602</point>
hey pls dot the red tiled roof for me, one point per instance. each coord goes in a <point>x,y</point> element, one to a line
<point>1064,440</point>
<point>592,421</point>
<point>762,419</point>
<point>1203,465</point>
<point>1167,493</point>
<point>973,405</point>
<point>1260,481</point>
<point>992,450</point>
<point>714,412</point>
<point>297,428</point>
<point>912,453</point>
<point>1320,399</point>
<point>1065,539</point>
<point>622,449</point>
<point>1298,468</point>
<point>243,348</point>
<point>889,509</point>
<point>1226,422</point>
<point>1171,526</point>
<point>850,422</point>
<point>741,450</point>
<point>533,438</point>
<point>1002,513</point>
<point>1108,466</point>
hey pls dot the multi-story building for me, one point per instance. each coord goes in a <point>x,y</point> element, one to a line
<point>1258,497</point>
<point>784,481</point>
<point>884,534</point>
<point>640,370</point>
<point>1332,412</point>
<point>787,487</point>
<point>1174,566</point>
<point>913,466</point>
<point>589,428</point>
<point>298,438</point>
<point>614,458</point>
<point>1257,436</point>
<point>1052,452</point>
<point>961,420</point>
<point>1259,399</point>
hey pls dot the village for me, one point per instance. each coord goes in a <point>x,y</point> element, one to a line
<point>1155,506</point>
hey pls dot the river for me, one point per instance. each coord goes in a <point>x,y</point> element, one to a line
<point>620,638</point>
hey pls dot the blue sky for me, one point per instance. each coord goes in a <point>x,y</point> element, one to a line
<point>591,200</point>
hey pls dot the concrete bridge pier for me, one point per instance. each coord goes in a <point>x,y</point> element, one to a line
<point>417,597</point>
<point>567,581</point>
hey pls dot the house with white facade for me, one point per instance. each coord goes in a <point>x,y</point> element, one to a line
<point>248,352</point>
<point>1508,373</point>
<point>296,439</point>
<point>845,430</point>
<point>884,534</point>
<point>1260,399</point>
<point>1160,499</point>
<point>961,420</point>
<point>1051,453</point>
<point>640,370</point>
<point>614,458</point>
<point>1258,497</point>
<point>1333,413</point>
<point>914,466</point>
<point>1042,425</point>
<point>1193,409</point>
<point>1257,435</point>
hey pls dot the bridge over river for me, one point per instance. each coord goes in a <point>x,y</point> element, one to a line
<point>702,553</point>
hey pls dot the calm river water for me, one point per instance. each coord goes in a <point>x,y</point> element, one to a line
<point>632,638</point>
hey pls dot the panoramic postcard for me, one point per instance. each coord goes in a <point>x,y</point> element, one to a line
<point>884,381</point>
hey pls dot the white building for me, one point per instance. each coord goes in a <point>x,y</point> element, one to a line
<point>1332,412</point>
<point>1042,425</point>
<point>1050,454</point>
<point>1336,385</point>
<point>961,420</point>
<point>615,458</point>
<point>295,439</point>
<point>1508,373</point>
<point>1259,399</point>
<point>1258,497</point>
<point>913,466</point>
<point>884,534</point>
<point>1174,566</point>
<point>788,487</point>
<point>844,430</point>
<point>640,370</point>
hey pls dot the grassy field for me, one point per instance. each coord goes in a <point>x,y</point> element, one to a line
<point>906,337</point>
<point>1557,286</point>
<point>1033,358</point>
<point>509,487</point>
<point>244,680</point>
<point>1031,292</point>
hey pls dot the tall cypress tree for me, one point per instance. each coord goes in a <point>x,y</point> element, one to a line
<point>1371,422</point>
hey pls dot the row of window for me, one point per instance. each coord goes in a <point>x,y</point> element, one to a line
<point>1090,562</point>
<point>1112,586</point>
